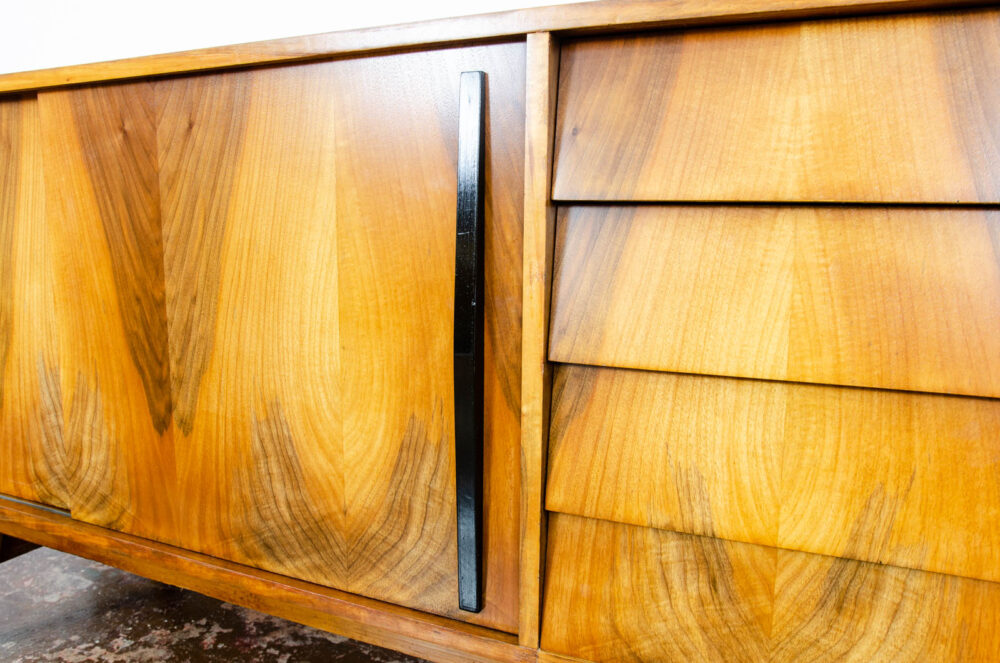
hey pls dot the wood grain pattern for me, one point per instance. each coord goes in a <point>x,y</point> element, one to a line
<point>623,593</point>
<point>201,123</point>
<point>31,433</point>
<point>906,479</point>
<point>585,16</point>
<point>549,657</point>
<point>415,633</point>
<point>119,154</point>
<point>396,299</point>
<point>102,210</point>
<point>254,291</point>
<point>542,70</point>
<point>912,480</point>
<point>896,109</point>
<point>828,609</point>
<point>249,184</point>
<point>685,453</point>
<point>897,298</point>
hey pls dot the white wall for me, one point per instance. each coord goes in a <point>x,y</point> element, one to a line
<point>36,34</point>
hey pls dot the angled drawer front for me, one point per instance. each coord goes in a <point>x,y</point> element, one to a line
<point>898,109</point>
<point>623,593</point>
<point>911,480</point>
<point>896,298</point>
<point>775,432</point>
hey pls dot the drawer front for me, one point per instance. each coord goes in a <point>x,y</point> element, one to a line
<point>895,298</point>
<point>906,479</point>
<point>900,109</point>
<point>623,593</point>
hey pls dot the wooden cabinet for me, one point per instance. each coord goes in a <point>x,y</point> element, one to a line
<point>741,369</point>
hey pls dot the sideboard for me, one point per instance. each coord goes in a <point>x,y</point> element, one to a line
<point>618,331</point>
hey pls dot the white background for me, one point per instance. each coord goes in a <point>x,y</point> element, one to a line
<point>36,34</point>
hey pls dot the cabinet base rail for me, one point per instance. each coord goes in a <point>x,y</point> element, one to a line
<point>408,631</point>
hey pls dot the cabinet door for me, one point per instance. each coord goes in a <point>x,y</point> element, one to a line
<point>258,279</point>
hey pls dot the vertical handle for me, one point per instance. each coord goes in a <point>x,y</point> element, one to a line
<point>469,304</point>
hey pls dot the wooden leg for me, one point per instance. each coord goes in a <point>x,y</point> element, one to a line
<point>11,547</point>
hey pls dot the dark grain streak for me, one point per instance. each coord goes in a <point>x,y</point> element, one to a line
<point>201,127</point>
<point>49,464</point>
<point>91,461</point>
<point>117,131</point>
<point>402,535</point>
<point>282,526</point>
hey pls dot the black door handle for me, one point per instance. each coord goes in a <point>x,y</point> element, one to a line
<point>468,346</point>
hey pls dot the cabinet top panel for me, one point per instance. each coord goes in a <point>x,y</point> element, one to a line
<point>603,15</point>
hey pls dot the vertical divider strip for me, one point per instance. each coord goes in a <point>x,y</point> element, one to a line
<point>542,69</point>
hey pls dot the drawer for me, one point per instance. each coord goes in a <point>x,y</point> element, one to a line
<point>900,109</point>
<point>887,297</point>
<point>891,477</point>
<point>623,593</point>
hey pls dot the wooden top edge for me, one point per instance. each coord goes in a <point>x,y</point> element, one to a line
<point>580,17</point>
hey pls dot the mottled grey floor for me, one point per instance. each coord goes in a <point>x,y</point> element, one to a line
<point>57,607</point>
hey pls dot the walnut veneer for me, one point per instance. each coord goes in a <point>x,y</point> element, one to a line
<point>742,294</point>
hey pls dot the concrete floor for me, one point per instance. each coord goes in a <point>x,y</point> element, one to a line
<point>57,607</point>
